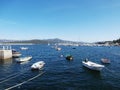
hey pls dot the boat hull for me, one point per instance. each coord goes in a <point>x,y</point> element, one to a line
<point>37,65</point>
<point>25,59</point>
<point>16,55</point>
<point>92,67</point>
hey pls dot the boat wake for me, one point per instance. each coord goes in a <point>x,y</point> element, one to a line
<point>25,81</point>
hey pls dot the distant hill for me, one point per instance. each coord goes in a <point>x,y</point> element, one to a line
<point>38,41</point>
<point>53,41</point>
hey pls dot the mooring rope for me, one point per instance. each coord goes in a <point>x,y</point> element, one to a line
<point>10,76</point>
<point>25,81</point>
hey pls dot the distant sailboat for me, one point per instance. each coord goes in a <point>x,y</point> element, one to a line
<point>57,48</point>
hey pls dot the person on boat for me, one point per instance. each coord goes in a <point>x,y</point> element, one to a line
<point>86,60</point>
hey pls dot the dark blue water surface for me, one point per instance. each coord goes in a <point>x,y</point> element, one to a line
<point>60,74</point>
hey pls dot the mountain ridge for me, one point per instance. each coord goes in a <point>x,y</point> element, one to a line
<point>38,41</point>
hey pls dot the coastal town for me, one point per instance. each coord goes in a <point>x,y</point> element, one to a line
<point>59,42</point>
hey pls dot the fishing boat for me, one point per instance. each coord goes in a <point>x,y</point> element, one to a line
<point>104,60</point>
<point>16,54</point>
<point>69,57</point>
<point>91,65</point>
<point>24,59</point>
<point>38,65</point>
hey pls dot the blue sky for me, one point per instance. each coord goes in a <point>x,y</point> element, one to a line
<point>76,20</point>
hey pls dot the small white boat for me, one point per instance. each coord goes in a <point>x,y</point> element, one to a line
<point>104,60</point>
<point>92,65</point>
<point>24,59</point>
<point>23,48</point>
<point>38,65</point>
<point>58,48</point>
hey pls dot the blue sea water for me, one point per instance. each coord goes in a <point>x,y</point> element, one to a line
<point>60,74</point>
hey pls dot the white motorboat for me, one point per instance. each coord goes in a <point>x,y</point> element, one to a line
<point>23,48</point>
<point>92,65</point>
<point>38,65</point>
<point>24,59</point>
<point>16,53</point>
<point>104,60</point>
<point>58,49</point>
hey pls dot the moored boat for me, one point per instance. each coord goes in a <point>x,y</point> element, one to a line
<point>23,48</point>
<point>38,65</point>
<point>16,54</point>
<point>58,48</point>
<point>24,59</point>
<point>104,60</point>
<point>69,57</point>
<point>93,66</point>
